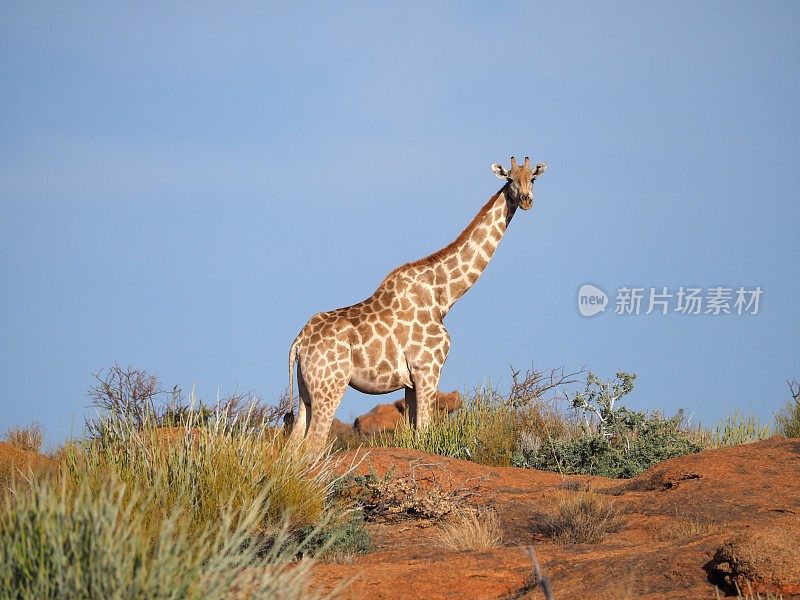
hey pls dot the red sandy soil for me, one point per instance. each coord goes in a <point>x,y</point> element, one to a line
<point>748,496</point>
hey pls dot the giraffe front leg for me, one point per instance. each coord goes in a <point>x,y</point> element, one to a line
<point>425,363</point>
<point>426,382</point>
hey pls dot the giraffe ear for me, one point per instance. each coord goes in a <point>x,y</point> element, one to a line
<point>499,171</point>
<point>539,169</point>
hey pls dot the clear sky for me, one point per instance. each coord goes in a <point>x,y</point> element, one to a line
<point>182,185</point>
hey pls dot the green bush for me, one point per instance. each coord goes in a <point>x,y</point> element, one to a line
<point>613,442</point>
<point>625,454</point>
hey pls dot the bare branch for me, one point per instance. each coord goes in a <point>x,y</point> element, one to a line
<point>541,580</point>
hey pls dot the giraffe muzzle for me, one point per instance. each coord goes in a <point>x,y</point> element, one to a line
<point>526,202</point>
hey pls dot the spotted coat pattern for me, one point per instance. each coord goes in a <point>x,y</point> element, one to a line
<point>396,338</point>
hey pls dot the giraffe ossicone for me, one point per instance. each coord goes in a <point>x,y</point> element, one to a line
<point>396,338</point>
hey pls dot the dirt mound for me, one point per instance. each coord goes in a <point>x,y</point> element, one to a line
<point>15,462</point>
<point>767,559</point>
<point>11,455</point>
<point>691,523</point>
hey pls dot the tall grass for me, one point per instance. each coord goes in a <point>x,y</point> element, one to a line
<point>224,466</point>
<point>735,429</point>
<point>740,429</point>
<point>485,429</point>
<point>462,434</point>
<point>787,420</point>
<point>213,508</point>
<point>97,542</point>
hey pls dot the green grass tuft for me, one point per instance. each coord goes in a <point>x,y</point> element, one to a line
<point>97,542</point>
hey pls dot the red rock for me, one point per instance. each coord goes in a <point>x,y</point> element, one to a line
<point>386,417</point>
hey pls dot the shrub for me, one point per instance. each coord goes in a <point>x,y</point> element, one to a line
<point>788,420</point>
<point>92,542</point>
<point>28,438</point>
<point>614,441</point>
<point>473,530</point>
<point>128,394</point>
<point>585,518</point>
<point>132,396</point>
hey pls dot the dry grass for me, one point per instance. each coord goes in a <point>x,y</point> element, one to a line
<point>28,438</point>
<point>585,517</point>
<point>473,530</point>
<point>423,494</point>
<point>735,429</point>
<point>486,429</point>
<point>749,594</point>
<point>227,462</point>
<point>685,527</point>
<point>209,471</point>
<point>787,420</point>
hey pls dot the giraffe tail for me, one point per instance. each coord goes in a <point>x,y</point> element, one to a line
<point>292,360</point>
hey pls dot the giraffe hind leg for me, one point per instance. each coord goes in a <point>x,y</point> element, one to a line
<point>411,406</point>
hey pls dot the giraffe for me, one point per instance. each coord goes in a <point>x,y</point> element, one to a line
<point>396,338</point>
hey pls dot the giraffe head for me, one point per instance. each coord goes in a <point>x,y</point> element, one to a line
<point>519,189</point>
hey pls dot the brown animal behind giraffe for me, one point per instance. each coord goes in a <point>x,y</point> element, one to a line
<point>396,338</point>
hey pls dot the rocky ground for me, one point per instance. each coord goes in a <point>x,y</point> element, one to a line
<point>689,524</point>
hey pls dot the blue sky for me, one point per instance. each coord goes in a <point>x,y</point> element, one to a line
<point>182,186</point>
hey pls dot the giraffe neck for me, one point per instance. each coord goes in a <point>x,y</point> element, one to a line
<point>458,265</point>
